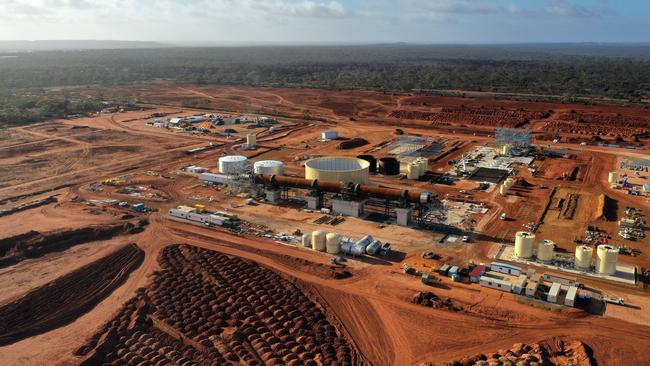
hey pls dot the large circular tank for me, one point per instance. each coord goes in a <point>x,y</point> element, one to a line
<point>306,241</point>
<point>388,166</point>
<point>413,170</point>
<point>232,164</point>
<point>329,135</point>
<point>270,167</point>
<point>251,139</point>
<point>370,159</point>
<point>333,243</point>
<point>583,256</point>
<point>318,240</point>
<point>606,258</point>
<point>524,242</point>
<point>503,189</point>
<point>339,169</point>
<point>612,178</point>
<point>545,250</point>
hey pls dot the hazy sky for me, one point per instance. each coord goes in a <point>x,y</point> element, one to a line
<point>324,21</point>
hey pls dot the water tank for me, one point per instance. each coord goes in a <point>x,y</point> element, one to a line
<point>232,164</point>
<point>329,135</point>
<point>339,169</point>
<point>503,189</point>
<point>306,241</point>
<point>373,248</point>
<point>388,166</point>
<point>606,258</point>
<point>413,170</point>
<point>271,167</point>
<point>333,243</point>
<point>545,249</point>
<point>613,177</point>
<point>370,159</point>
<point>524,242</point>
<point>318,240</point>
<point>251,139</point>
<point>583,256</point>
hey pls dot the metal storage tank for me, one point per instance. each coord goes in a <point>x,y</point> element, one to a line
<point>370,159</point>
<point>232,164</point>
<point>612,178</point>
<point>424,165</point>
<point>545,249</point>
<point>251,139</point>
<point>413,171</point>
<point>306,241</point>
<point>509,182</point>
<point>583,256</point>
<point>270,167</point>
<point>503,189</point>
<point>373,248</point>
<point>333,243</point>
<point>339,169</point>
<point>388,166</point>
<point>606,258</point>
<point>524,242</point>
<point>318,240</point>
<point>329,135</point>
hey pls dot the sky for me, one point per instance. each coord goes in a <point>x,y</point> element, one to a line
<point>328,21</point>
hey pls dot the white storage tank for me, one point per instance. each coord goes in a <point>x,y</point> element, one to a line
<point>583,256</point>
<point>329,135</point>
<point>232,164</point>
<point>413,171</point>
<point>503,189</point>
<point>524,242</point>
<point>606,258</point>
<point>318,240</point>
<point>271,167</point>
<point>251,140</point>
<point>545,249</point>
<point>333,243</point>
<point>306,241</point>
<point>612,178</point>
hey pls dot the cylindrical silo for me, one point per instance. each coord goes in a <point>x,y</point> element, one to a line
<point>606,258</point>
<point>251,140</point>
<point>270,167</point>
<point>333,243</point>
<point>388,166</point>
<point>413,171</point>
<point>505,150</point>
<point>583,256</point>
<point>545,250</point>
<point>370,159</point>
<point>232,164</point>
<point>329,135</point>
<point>318,240</point>
<point>503,189</point>
<point>424,165</point>
<point>524,242</point>
<point>612,178</point>
<point>306,241</point>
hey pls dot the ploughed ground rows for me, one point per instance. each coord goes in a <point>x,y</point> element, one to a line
<point>552,352</point>
<point>34,244</point>
<point>68,297</point>
<point>205,308</point>
<point>473,116</point>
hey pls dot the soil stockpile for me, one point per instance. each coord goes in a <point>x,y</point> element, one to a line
<point>206,308</point>
<point>65,299</point>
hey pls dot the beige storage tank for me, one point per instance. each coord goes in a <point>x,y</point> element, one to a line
<point>612,178</point>
<point>338,169</point>
<point>583,256</point>
<point>251,140</point>
<point>524,242</point>
<point>509,182</point>
<point>413,171</point>
<point>606,258</point>
<point>424,165</point>
<point>318,240</point>
<point>333,243</point>
<point>505,150</point>
<point>503,189</point>
<point>270,167</point>
<point>545,249</point>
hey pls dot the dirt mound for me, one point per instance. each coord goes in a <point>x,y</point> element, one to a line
<point>353,143</point>
<point>65,299</point>
<point>206,308</point>
<point>606,208</point>
<point>34,244</point>
<point>432,300</point>
<point>552,352</point>
<point>522,182</point>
